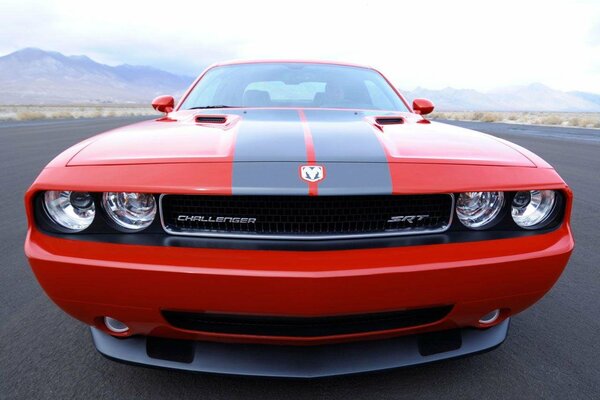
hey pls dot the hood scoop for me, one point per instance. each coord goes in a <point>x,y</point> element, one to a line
<point>381,121</point>
<point>389,120</point>
<point>221,121</point>
<point>211,119</point>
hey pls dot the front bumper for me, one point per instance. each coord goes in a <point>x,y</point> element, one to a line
<point>299,362</point>
<point>134,283</point>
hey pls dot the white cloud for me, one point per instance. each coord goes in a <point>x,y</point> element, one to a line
<point>459,43</point>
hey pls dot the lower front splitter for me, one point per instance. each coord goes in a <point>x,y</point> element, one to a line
<point>300,361</point>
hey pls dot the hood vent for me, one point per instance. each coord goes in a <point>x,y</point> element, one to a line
<point>389,120</point>
<point>210,119</point>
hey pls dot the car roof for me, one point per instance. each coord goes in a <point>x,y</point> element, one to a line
<point>287,61</point>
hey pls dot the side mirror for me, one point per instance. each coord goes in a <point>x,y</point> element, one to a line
<point>164,104</point>
<point>422,106</point>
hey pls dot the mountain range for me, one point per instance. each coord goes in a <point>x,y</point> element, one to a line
<point>533,97</point>
<point>34,76</point>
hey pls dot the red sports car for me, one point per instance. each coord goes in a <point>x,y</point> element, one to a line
<point>296,219</point>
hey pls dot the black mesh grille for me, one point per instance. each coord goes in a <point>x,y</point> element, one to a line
<point>259,325</point>
<point>306,216</point>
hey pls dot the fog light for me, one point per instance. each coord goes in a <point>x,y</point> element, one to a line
<point>490,317</point>
<point>115,325</point>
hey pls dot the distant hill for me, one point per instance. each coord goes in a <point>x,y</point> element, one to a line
<point>34,76</point>
<point>591,97</point>
<point>534,97</point>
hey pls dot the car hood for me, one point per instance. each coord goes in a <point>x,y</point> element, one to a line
<point>290,135</point>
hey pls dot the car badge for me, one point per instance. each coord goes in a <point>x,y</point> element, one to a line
<point>312,173</point>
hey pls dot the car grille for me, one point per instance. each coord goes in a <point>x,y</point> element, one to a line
<point>259,325</point>
<point>305,217</point>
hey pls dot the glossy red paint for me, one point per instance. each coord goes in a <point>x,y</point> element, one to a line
<point>422,106</point>
<point>133,283</point>
<point>164,104</point>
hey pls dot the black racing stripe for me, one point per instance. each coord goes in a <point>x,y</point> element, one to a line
<point>269,149</point>
<point>354,158</point>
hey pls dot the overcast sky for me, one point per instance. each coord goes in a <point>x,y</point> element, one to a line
<point>464,44</point>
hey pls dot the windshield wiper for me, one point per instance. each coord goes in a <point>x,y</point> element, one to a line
<point>207,107</point>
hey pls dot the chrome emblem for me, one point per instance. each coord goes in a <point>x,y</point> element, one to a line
<point>202,218</point>
<point>312,173</point>
<point>411,219</point>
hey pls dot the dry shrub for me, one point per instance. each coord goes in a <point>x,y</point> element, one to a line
<point>587,122</point>
<point>30,115</point>
<point>477,116</point>
<point>490,117</point>
<point>551,120</point>
<point>61,115</point>
<point>584,120</point>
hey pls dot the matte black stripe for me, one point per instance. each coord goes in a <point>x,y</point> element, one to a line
<point>269,149</point>
<point>343,136</point>
<point>355,179</point>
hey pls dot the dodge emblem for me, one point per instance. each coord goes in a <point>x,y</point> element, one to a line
<point>312,173</point>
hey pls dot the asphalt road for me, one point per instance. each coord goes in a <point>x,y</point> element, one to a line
<point>553,350</point>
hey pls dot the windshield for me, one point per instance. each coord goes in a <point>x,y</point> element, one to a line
<point>293,85</point>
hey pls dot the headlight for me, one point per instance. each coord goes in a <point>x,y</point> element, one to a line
<point>73,211</point>
<point>530,210</point>
<point>132,211</point>
<point>476,210</point>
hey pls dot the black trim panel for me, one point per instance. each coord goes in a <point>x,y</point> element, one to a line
<point>150,239</point>
<point>306,361</point>
<point>154,235</point>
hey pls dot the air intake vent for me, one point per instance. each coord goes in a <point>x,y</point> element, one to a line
<point>210,119</point>
<point>267,325</point>
<point>389,120</point>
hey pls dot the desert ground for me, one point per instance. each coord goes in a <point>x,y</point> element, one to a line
<point>568,119</point>
<point>41,112</point>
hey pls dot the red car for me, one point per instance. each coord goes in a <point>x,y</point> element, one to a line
<point>296,219</point>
